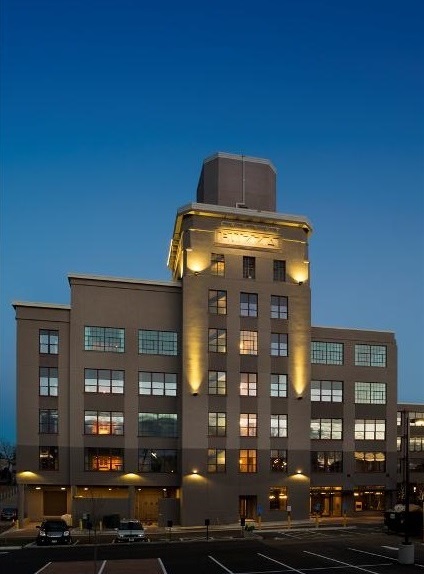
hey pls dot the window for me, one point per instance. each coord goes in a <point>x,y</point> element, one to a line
<point>278,385</point>
<point>248,343</point>
<point>278,460</point>
<point>370,393</point>
<point>49,382</point>
<point>105,339</point>
<point>247,460</point>
<point>48,458</point>
<point>327,461</point>
<point>416,444</point>
<point>157,460</point>
<point>327,391</point>
<point>216,460</point>
<point>48,421</point>
<point>248,424</point>
<point>217,340</point>
<point>370,462</point>
<point>157,384</point>
<point>370,355</point>
<point>104,422</point>
<point>104,459</point>
<point>157,342</point>
<point>49,342</point>
<point>277,498</point>
<point>249,267</point>
<point>326,353</point>
<point>279,307</point>
<point>326,429</point>
<point>279,270</point>
<point>248,384</point>
<point>279,344</point>
<point>217,383</point>
<point>370,429</point>
<point>217,424</point>
<point>104,381</point>
<point>279,426</point>
<point>217,302</point>
<point>248,304</point>
<point>217,264</point>
<point>158,424</point>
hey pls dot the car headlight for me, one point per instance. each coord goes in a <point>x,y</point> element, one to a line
<point>42,533</point>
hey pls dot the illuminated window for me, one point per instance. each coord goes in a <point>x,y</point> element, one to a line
<point>278,385</point>
<point>279,426</point>
<point>327,391</point>
<point>248,343</point>
<point>278,460</point>
<point>216,460</point>
<point>49,342</point>
<point>248,424</point>
<point>157,460</point>
<point>249,264</point>
<point>105,339</point>
<point>370,429</point>
<point>370,355</point>
<point>48,381</point>
<point>370,462</point>
<point>217,383</point>
<point>279,270</point>
<point>326,353</point>
<point>278,498</point>
<point>248,384</point>
<point>279,344</point>
<point>247,460</point>
<point>104,422</point>
<point>279,307</point>
<point>157,342</point>
<point>104,381</point>
<point>48,421</point>
<point>217,264</point>
<point>217,340</point>
<point>248,304</point>
<point>157,384</point>
<point>158,424</point>
<point>326,429</point>
<point>327,461</point>
<point>217,302</point>
<point>48,458</point>
<point>416,444</point>
<point>370,393</point>
<point>217,424</point>
<point>104,459</point>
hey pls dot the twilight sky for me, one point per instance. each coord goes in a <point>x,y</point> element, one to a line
<point>108,108</point>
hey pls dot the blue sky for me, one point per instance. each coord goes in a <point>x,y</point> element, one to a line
<point>108,108</point>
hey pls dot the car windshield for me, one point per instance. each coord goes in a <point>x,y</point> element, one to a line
<point>130,525</point>
<point>54,526</point>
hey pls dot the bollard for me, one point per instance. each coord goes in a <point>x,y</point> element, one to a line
<point>316,520</point>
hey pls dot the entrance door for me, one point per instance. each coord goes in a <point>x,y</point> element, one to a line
<point>54,502</point>
<point>247,506</point>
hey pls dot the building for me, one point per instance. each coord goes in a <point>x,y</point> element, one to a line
<point>210,396</point>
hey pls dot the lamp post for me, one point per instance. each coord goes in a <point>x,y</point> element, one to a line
<point>406,550</point>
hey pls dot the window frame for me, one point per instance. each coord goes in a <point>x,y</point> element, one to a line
<point>217,340</point>
<point>279,307</point>
<point>160,384</point>
<point>52,384</point>
<point>215,456</point>
<point>249,267</point>
<point>157,343</point>
<point>104,339</point>
<point>217,302</point>
<point>51,346</point>
<point>109,382</point>
<point>279,270</point>
<point>279,345</point>
<point>248,304</point>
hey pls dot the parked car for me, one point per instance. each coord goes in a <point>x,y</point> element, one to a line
<point>9,514</point>
<point>130,531</point>
<point>53,532</point>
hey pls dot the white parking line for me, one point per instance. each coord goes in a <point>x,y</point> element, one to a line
<point>162,566</point>
<point>374,553</point>
<point>222,565</point>
<point>280,563</point>
<point>390,547</point>
<point>41,569</point>
<point>102,567</point>
<point>341,562</point>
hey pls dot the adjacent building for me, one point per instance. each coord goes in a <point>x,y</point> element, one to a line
<point>209,396</point>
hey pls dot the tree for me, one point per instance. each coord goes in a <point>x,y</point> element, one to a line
<point>8,456</point>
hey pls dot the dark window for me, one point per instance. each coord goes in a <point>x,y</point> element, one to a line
<point>104,381</point>
<point>49,381</point>
<point>157,460</point>
<point>217,340</point>
<point>370,462</point>
<point>157,384</point>
<point>217,384</point>
<point>104,339</point>
<point>48,421</point>
<point>49,458</point>
<point>157,342</point>
<point>327,461</point>
<point>327,391</point>
<point>217,302</point>
<point>217,264</point>
<point>248,267</point>
<point>279,344</point>
<point>248,304</point>
<point>278,307</point>
<point>279,270</point>
<point>158,424</point>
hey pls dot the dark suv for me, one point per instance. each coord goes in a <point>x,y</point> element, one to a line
<point>54,532</point>
<point>9,514</point>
